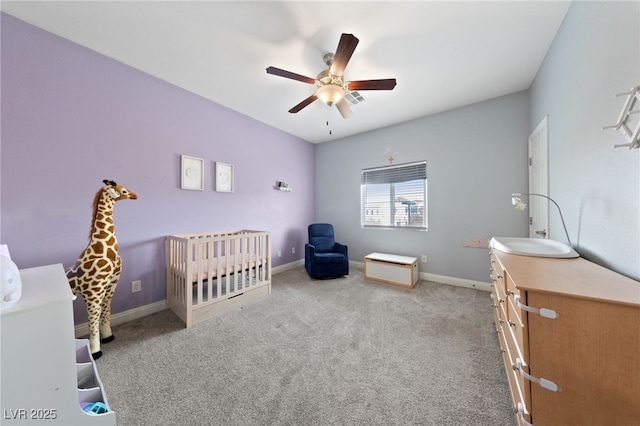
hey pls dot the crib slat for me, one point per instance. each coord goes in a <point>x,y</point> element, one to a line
<point>218,254</point>
<point>186,294</point>
<point>198,259</point>
<point>237,265</point>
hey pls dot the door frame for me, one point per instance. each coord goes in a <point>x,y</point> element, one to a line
<point>539,180</point>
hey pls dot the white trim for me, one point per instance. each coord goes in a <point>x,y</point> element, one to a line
<point>459,282</point>
<point>287,266</point>
<point>443,279</point>
<point>357,265</point>
<point>82,330</point>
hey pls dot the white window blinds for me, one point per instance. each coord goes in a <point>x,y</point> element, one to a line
<point>395,196</point>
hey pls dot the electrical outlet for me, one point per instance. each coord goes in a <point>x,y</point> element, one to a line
<point>424,258</point>
<point>279,253</point>
<point>293,250</point>
<point>136,286</point>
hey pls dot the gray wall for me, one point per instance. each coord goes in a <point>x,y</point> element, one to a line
<point>476,157</point>
<point>595,55</point>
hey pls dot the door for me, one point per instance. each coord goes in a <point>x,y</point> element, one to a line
<point>539,180</point>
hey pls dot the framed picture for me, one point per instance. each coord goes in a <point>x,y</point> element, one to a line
<point>224,177</point>
<point>192,176</point>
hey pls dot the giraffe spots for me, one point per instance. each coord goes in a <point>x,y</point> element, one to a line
<point>102,235</point>
<point>111,254</point>
<point>75,271</point>
<point>97,247</point>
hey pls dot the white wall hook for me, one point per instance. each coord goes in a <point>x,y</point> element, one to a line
<point>283,186</point>
<point>623,124</point>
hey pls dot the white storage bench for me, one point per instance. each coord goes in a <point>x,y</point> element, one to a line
<point>391,269</point>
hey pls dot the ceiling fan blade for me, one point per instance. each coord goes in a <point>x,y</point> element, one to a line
<point>291,75</point>
<point>344,109</point>
<point>346,46</point>
<point>303,104</point>
<point>383,84</point>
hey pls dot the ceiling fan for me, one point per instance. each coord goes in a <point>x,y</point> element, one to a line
<point>331,87</point>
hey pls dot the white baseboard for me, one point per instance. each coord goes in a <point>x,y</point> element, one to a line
<point>443,279</point>
<point>82,330</point>
<point>460,282</point>
<point>287,266</point>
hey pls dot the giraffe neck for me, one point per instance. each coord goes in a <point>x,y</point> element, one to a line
<point>102,235</point>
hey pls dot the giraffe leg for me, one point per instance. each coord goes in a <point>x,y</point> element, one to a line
<point>93,309</point>
<point>105,320</point>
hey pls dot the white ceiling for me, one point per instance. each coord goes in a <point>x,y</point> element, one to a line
<point>444,54</point>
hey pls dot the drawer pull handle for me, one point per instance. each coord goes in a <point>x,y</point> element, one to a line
<point>543,312</point>
<point>547,384</point>
<point>521,415</point>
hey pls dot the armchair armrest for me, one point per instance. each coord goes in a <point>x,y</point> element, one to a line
<point>309,249</point>
<point>340,248</point>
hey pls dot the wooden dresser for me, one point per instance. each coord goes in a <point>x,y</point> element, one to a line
<point>569,331</point>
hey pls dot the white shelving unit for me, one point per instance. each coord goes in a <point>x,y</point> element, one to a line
<point>46,372</point>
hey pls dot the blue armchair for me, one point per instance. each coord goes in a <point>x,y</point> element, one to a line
<point>323,256</point>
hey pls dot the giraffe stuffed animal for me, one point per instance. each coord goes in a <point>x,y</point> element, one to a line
<point>96,272</point>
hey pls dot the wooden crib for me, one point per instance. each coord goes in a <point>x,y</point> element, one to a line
<point>209,273</point>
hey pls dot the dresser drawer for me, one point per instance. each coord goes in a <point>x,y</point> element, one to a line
<point>498,319</point>
<point>516,317</point>
<point>497,273</point>
<point>515,353</point>
<point>519,394</point>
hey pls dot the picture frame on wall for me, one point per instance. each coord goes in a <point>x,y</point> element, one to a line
<point>224,177</point>
<point>192,173</point>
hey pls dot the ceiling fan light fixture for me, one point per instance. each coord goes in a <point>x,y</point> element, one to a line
<point>330,94</point>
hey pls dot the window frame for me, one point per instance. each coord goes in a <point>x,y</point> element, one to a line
<point>376,178</point>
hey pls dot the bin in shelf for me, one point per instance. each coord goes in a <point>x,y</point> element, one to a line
<point>90,388</point>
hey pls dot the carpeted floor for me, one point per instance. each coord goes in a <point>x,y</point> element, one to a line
<point>329,352</point>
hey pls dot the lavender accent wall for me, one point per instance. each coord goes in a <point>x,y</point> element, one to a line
<point>72,117</point>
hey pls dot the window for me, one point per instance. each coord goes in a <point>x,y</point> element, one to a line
<point>395,196</point>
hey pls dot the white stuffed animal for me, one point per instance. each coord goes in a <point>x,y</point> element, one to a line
<point>10,283</point>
